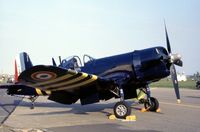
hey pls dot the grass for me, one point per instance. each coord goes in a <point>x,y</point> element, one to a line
<point>168,83</point>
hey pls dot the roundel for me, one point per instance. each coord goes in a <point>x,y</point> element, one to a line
<point>43,76</point>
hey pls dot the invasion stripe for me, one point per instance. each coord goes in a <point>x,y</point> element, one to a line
<point>56,83</point>
<point>38,91</point>
<point>48,92</point>
<point>58,80</point>
<point>43,92</point>
<point>67,82</point>
<point>61,81</point>
<point>52,81</point>
<point>72,83</point>
<point>79,84</point>
<point>68,74</point>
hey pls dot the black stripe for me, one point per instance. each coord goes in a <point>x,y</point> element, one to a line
<point>27,81</point>
<point>68,79</point>
<point>80,81</point>
<point>43,92</point>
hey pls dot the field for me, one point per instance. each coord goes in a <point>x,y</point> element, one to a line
<point>168,83</point>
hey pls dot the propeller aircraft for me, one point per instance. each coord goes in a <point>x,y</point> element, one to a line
<point>116,76</point>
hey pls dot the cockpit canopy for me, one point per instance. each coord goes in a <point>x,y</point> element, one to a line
<point>74,62</point>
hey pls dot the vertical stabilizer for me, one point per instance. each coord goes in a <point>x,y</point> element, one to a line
<point>22,62</point>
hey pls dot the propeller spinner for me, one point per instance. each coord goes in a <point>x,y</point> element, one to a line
<point>174,59</point>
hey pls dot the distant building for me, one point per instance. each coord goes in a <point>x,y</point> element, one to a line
<point>181,77</point>
<point>5,78</point>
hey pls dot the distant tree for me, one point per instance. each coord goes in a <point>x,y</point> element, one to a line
<point>197,76</point>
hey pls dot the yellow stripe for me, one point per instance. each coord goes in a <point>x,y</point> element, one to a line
<point>84,75</point>
<point>38,91</point>
<point>183,105</point>
<point>52,81</point>
<point>78,85</point>
<point>48,92</point>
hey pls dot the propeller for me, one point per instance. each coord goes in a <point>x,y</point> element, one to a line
<point>174,59</point>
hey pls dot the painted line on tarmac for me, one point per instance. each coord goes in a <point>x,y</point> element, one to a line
<point>2,116</point>
<point>183,105</point>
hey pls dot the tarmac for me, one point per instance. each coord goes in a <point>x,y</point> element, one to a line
<point>49,116</point>
<point>7,104</point>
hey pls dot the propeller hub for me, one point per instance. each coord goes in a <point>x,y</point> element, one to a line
<point>175,57</point>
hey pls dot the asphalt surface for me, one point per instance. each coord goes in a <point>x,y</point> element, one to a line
<point>49,116</point>
<point>7,105</point>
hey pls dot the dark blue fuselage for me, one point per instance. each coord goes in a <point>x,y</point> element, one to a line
<point>144,66</point>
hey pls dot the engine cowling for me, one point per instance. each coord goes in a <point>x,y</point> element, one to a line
<point>150,64</point>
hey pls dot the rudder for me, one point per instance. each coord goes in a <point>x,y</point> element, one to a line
<point>22,62</point>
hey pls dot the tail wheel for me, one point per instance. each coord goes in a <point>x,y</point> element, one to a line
<point>153,106</point>
<point>122,110</point>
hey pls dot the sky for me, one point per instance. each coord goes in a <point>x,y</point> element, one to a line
<point>100,28</point>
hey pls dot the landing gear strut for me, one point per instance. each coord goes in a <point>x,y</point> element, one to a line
<point>121,109</point>
<point>151,103</point>
<point>32,99</point>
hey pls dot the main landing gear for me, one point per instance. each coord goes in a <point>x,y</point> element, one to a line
<point>121,109</point>
<point>32,99</point>
<point>151,103</point>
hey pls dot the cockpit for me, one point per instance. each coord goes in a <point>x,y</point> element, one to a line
<point>74,62</point>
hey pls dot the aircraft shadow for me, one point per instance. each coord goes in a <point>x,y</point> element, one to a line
<point>76,108</point>
<point>97,128</point>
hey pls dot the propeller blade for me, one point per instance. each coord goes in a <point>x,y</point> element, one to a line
<point>174,59</point>
<point>175,82</point>
<point>53,61</point>
<point>179,63</point>
<point>167,40</point>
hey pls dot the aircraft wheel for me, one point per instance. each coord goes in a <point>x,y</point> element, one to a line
<point>122,110</point>
<point>154,104</point>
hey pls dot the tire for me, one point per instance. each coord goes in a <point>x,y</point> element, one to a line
<point>122,110</point>
<point>198,84</point>
<point>154,104</point>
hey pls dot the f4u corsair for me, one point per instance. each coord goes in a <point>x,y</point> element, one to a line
<point>117,76</point>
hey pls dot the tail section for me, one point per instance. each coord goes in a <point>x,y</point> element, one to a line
<point>16,72</point>
<point>22,62</point>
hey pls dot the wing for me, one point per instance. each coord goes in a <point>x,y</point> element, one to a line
<point>50,78</point>
<point>67,86</point>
